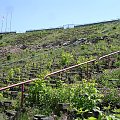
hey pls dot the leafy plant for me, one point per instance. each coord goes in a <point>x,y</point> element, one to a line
<point>85,96</point>
<point>81,96</point>
<point>66,58</point>
<point>1,96</point>
<point>11,73</point>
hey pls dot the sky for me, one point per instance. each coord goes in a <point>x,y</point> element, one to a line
<point>22,15</point>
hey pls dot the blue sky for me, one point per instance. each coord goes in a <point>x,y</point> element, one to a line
<point>37,14</point>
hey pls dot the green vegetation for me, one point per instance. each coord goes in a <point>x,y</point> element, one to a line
<point>88,89</point>
<point>80,96</point>
<point>21,50</point>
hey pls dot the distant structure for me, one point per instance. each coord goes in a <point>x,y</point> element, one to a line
<point>6,21</point>
<point>68,26</point>
<point>4,24</point>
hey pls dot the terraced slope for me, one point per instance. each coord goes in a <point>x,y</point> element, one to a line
<point>32,54</point>
<point>26,55</point>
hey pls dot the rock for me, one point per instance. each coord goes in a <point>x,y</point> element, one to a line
<point>23,47</point>
<point>63,106</point>
<point>76,42</point>
<point>95,113</point>
<point>66,43</point>
<point>87,114</point>
<point>38,117</point>
<point>82,40</point>
<point>10,113</point>
<point>47,118</point>
<point>72,114</point>
<point>7,103</point>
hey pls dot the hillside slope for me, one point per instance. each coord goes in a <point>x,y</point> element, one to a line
<point>25,55</point>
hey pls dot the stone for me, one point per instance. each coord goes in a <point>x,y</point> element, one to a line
<point>47,118</point>
<point>23,47</point>
<point>87,114</point>
<point>63,106</point>
<point>7,103</point>
<point>10,113</point>
<point>39,117</point>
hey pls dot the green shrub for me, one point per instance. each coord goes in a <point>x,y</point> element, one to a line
<point>66,58</point>
<point>80,96</point>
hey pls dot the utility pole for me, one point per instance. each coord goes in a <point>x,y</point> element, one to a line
<point>2,24</point>
<point>10,21</point>
<point>9,11</point>
<point>6,23</point>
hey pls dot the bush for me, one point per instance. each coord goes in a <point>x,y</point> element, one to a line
<point>80,96</point>
<point>66,58</point>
